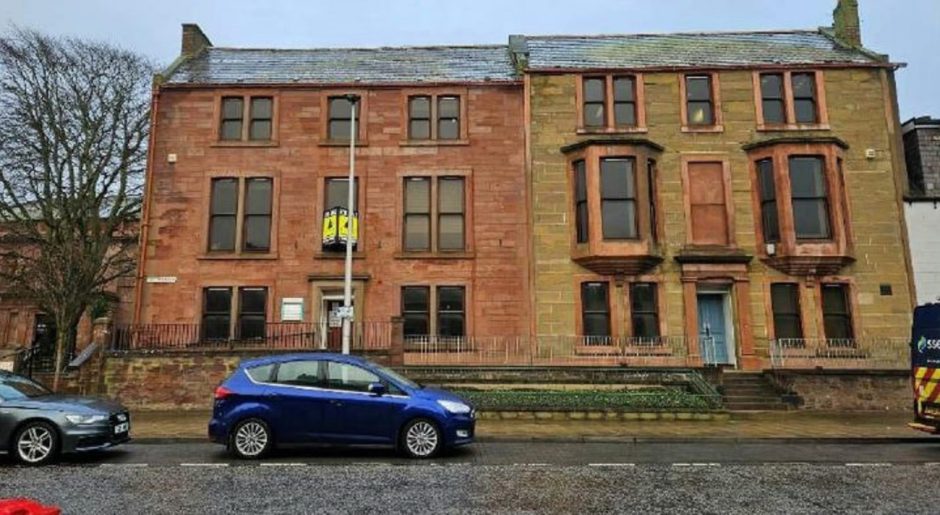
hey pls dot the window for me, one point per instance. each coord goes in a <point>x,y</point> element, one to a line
<point>216,313</point>
<point>343,376</point>
<point>419,117</point>
<point>595,312</point>
<point>594,107</point>
<point>785,303</point>
<point>251,312</point>
<point>231,126</point>
<point>651,191</point>
<point>618,199</point>
<point>448,117</point>
<point>837,316</point>
<point>699,100</point>
<point>299,373</point>
<point>450,221</point>
<point>417,214</point>
<point>338,120</point>
<point>625,101</point>
<point>644,310</point>
<point>415,309</point>
<point>450,311</point>
<point>257,225</point>
<point>337,193</point>
<point>447,194</point>
<point>789,98</point>
<point>255,213</point>
<point>580,201</point>
<point>804,97</point>
<point>261,116</point>
<point>261,374</point>
<point>768,200</point>
<point>808,196</point>
<point>223,211</point>
<point>772,98</point>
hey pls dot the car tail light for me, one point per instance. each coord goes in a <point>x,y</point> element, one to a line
<point>222,392</point>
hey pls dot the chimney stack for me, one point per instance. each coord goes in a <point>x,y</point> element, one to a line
<point>846,24</point>
<point>194,40</point>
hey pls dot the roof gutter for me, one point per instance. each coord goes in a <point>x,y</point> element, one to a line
<point>747,67</point>
<point>325,85</point>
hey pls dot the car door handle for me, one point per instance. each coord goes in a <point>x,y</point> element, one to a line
<point>335,402</point>
<point>272,394</point>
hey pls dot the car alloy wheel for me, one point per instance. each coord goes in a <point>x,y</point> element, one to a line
<point>422,439</point>
<point>251,439</point>
<point>36,443</point>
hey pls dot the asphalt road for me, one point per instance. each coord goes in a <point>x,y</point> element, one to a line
<point>703,477</point>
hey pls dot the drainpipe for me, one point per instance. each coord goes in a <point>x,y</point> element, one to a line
<point>145,209</point>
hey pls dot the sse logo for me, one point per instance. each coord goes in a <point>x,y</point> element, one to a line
<point>925,344</point>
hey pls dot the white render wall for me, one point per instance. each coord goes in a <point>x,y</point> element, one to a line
<point>923,227</point>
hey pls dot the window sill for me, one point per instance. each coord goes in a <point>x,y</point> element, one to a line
<point>435,255</point>
<point>245,144</point>
<point>703,128</point>
<point>434,143</point>
<point>342,143</point>
<point>337,255</point>
<point>793,127</point>
<point>612,130</point>
<point>245,256</point>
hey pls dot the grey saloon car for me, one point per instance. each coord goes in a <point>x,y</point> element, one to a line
<point>36,425</point>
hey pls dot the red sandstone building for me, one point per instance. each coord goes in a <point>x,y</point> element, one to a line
<point>250,147</point>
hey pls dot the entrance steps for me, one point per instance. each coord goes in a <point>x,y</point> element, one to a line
<point>744,391</point>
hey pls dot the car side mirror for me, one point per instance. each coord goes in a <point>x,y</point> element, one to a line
<point>377,389</point>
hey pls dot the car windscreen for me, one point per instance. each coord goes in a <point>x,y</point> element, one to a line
<point>17,387</point>
<point>395,376</point>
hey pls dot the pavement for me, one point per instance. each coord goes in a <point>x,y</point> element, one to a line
<point>191,425</point>
<point>496,477</point>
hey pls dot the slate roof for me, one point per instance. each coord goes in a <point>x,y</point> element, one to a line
<point>689,50</point>
<point>402,65</point>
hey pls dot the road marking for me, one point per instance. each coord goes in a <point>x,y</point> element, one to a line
<point>611,464</point>
<point>204,464</point>
<point>534,464</point>
<point>681,465</point>
<point>932,464</point>
<point>125,465</point>
<point>868,464</point>
<point>696,464</point>
<point>283,464</point>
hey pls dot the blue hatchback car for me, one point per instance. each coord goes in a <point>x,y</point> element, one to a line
<point>334,399</point>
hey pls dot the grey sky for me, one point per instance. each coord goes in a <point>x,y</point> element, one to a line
<point>905,29</point>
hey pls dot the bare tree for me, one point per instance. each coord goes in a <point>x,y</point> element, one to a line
<point>74,122</point>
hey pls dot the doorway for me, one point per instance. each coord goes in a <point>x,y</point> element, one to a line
<point>331,325</point>
<point>716,327</point>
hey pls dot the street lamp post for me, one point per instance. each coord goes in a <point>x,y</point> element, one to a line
<point>351,199</point>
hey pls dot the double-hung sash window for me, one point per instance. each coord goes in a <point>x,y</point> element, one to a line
<point>773,100</point>
<point>223,214</point>
<point>595,312</point>
<point>768,200</point>
<point>216,313</point>
<point>262,114</point>
<point>252,302</point>
<point>837,314</point>
<point>451,315</point>
<point>450,214</point>
<point>804,97</point>
<point>257,225</point>
<point>338,118</point>
<point>230,128</point>
<point>419,117</point>
<point>448,117</point>
<point>785,304</point>
<point>644,312</point>
<point>416,311</point>
<point>625,101</point>
<point>417,214</point>
<point>700,105</point>
<point>595,106</point>
<point>809,197</point>
<point>260,118</point>
<point>580,201</point>
<point>618,199</point>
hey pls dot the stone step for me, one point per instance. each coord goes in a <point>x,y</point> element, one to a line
<point>757,406</point>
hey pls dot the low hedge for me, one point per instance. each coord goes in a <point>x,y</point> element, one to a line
<point>647,399</point>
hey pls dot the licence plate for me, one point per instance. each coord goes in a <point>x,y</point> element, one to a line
<point>123,427</point>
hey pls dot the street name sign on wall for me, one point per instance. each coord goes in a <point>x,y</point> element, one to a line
<point>161,279</point>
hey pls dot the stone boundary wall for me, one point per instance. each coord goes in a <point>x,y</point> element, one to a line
<point>829,390</point>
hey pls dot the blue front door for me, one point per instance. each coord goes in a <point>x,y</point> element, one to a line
<point>712,329</point>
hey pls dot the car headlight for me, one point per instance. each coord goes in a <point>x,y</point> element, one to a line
<point>455,407</point>
<point>81,420</point>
